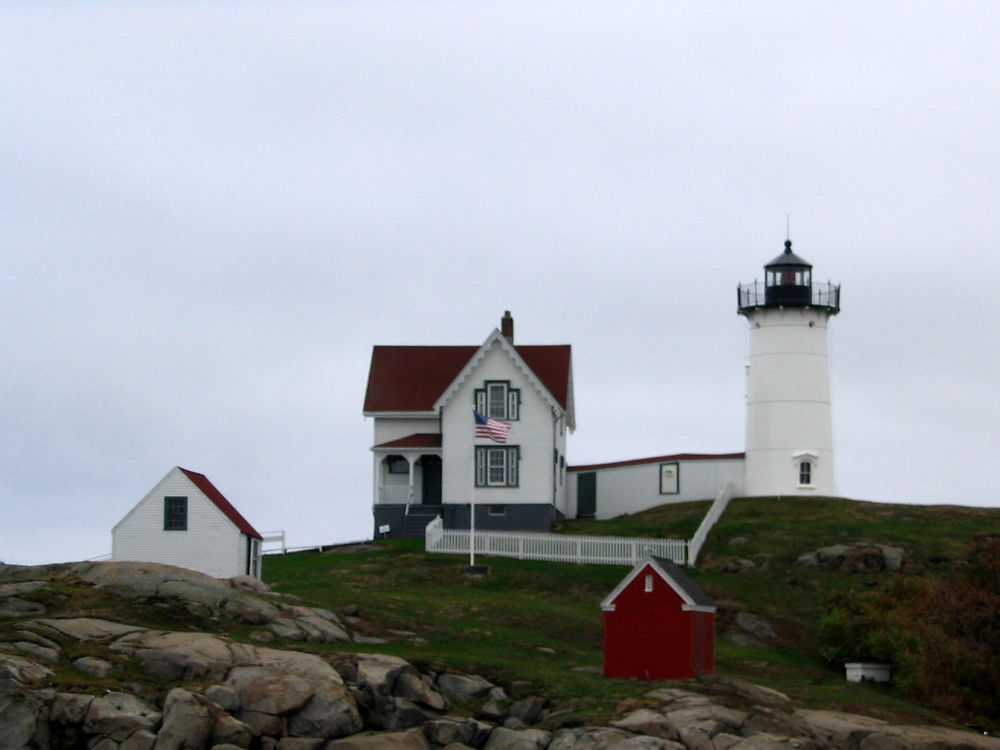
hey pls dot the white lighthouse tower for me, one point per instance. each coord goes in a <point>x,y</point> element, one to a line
<point>789,440</point>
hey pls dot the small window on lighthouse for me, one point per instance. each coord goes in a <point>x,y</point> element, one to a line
<point>805,472</point>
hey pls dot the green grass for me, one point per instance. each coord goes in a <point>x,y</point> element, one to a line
<point>533,621</point>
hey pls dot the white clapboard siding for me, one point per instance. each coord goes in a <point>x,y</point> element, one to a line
<point>633,486</point>
<point>534,432</point>
<point>212,544</point>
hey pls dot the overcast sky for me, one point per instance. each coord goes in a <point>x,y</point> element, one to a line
<point>210,212</point>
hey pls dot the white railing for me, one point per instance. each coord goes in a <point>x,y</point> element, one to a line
<point>607,550</point>
<point>269,537</point>
<point>715,512</point>
<point>394,493</point>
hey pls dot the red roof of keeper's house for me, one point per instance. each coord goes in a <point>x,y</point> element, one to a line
<point>202,483</point>
<point>416,440</point>
<point>658,459</point>
<point>411,378</point>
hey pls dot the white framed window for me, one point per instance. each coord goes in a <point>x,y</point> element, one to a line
<point>805,468</point>
<point>805,472</point>
<point>498,400</point>
<point>670,478</point>
<point>648,585</point>
<point>497,466</point>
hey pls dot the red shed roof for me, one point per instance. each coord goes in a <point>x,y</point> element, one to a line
<point>677,579</point>
<point>202,483</point>
<point>411,378</point>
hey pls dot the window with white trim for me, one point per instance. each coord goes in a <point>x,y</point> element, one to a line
<point>805,472</point>
<point>648,583</point>
<point>497,466</point>
<point>498,400</point>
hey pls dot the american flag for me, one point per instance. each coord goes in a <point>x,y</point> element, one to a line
<point>494,429</point>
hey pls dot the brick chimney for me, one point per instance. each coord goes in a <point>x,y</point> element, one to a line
<point>507,326</point>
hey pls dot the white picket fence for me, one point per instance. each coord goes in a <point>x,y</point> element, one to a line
<point>523,545</point>
<point>601,550</point>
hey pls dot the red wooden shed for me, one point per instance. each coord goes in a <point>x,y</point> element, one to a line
<point>658,625</point>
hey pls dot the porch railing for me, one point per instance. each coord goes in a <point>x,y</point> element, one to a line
<point>394,493</point>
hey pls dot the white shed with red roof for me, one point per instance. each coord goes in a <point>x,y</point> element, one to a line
<point>185,521</point>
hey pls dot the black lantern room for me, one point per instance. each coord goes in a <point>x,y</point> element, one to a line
<point>788,280</point>
<point>788,283</point>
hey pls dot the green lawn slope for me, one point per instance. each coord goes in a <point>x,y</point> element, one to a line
<point>536,627</point>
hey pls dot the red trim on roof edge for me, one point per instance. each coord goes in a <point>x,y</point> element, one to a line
<point>202,483</point>
<point>416,440</point>
<point>658,459</point>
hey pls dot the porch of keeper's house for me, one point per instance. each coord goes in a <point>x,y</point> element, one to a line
<point>407,485</point>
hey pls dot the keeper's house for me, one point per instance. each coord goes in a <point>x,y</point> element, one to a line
<point>427,459</point>
<point>658,625</point>
<point>185,521</point>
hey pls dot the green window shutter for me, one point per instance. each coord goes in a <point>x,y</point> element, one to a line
<point>480,467</point>
<point>513,403</point>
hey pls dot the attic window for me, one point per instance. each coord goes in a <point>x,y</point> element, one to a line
<point>498,400</point>
<point>649,583</point>
<point>175,513</point>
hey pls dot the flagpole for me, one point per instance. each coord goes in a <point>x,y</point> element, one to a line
<point>495,430</point>
<point>472,509</point>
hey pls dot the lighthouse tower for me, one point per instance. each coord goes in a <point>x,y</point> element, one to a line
<point>789,440</point>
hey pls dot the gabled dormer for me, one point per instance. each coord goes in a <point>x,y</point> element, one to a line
<point>499,398</point>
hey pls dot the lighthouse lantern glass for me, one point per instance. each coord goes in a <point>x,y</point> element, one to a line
<point>789,277</point>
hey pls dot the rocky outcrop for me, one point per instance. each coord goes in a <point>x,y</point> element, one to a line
<point>858,557</point>
<point>177,690</point>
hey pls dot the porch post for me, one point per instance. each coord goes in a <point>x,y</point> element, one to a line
<point>409,492</point>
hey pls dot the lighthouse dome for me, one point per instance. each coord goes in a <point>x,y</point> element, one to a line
<point>788,279</point>
<point>788,258</point>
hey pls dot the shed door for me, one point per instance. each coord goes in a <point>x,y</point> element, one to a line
<point>586,494</point>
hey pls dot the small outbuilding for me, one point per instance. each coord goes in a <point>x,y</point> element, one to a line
<point>185,521</point>
<point>658,625</point>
